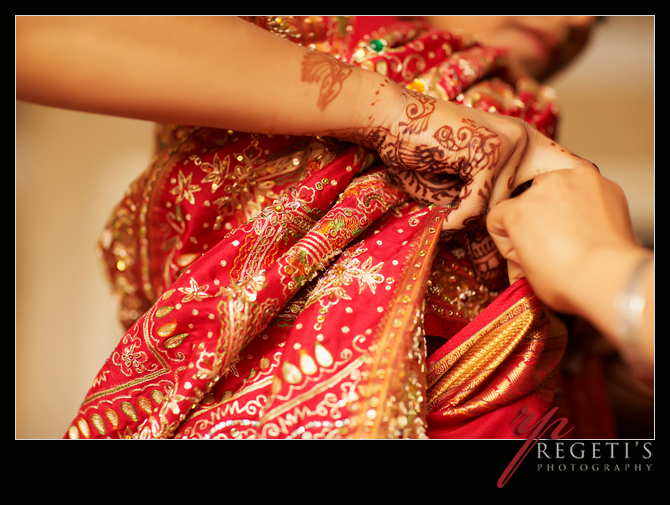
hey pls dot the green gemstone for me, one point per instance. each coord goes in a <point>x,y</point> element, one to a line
<point>376,45</point>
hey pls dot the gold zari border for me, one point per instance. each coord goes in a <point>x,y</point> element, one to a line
<point>456,376</point>
<point>393,397</point>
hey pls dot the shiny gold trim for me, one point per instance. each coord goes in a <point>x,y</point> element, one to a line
<point>457,375</point>
<point>392,399</point>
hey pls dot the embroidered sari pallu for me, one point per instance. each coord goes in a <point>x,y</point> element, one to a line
<point>283,287</point>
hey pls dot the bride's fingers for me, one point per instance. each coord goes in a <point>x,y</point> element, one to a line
<point>468,210</point>
<point>487,261</point>
<point>441,190</point>
<point>544,155</point>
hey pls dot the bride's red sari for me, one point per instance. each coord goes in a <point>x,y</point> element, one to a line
<point>283,287</point>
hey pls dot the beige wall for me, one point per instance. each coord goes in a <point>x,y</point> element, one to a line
<point>607,101</point>
<point>71,168</point>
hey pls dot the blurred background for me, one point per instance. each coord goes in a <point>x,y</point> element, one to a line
<point>72,168</point>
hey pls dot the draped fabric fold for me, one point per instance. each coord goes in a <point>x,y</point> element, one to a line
<point>283,287</point>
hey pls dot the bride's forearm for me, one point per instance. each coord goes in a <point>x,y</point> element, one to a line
<point>214,71</point>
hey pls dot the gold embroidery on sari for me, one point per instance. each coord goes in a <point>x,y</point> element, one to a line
<point>325,34</point>
<point>392,392</point>
<point>159,366</point>
<point>123,245</point>
<point>332,366</point>
<point>455,377</point>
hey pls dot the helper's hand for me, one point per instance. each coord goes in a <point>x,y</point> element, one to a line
<point>561,233</point>
<point>570,235</point>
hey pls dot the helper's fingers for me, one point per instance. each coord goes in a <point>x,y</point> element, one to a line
<point>514,272</point>
<point>497,225</point>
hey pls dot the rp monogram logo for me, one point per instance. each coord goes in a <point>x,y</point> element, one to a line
<point>537,431</point>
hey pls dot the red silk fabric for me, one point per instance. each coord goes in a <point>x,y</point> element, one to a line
<point>282,287</point>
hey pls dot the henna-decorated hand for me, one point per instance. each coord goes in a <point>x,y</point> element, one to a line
<point>463,158</point>
<point>454,156</point>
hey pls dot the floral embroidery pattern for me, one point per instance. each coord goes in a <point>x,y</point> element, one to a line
<point>348,269</point>
<point>194,292</point>
<point>216,171</point>
<point>131,358</point>
<point>184,189</point>
<point>274,286</point>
